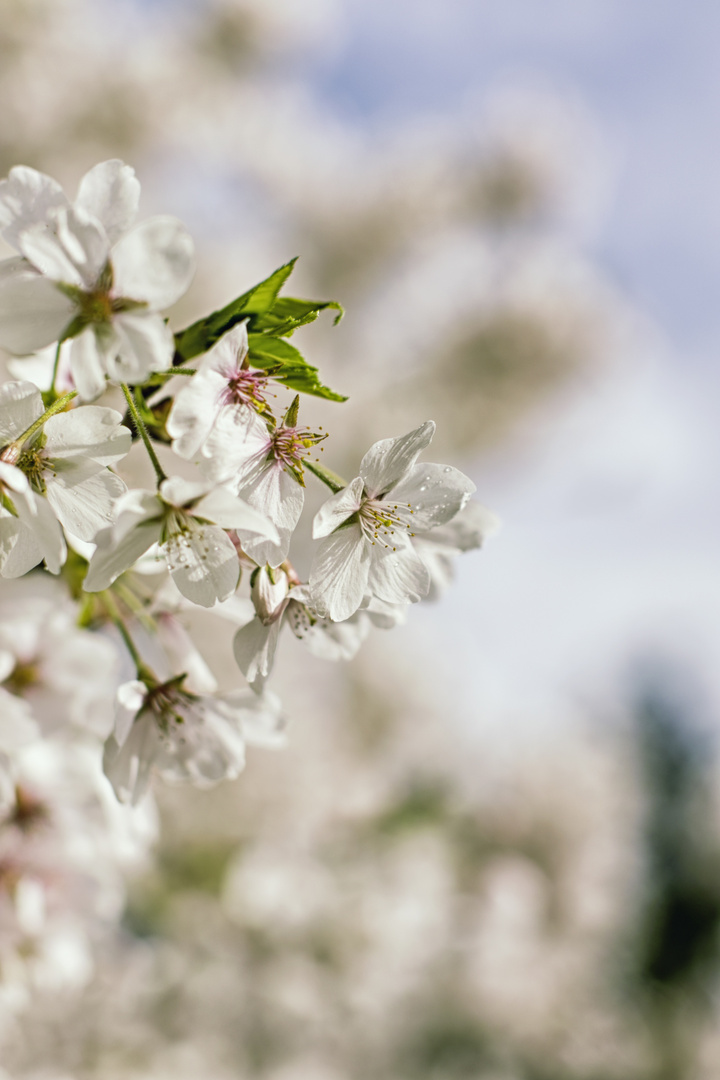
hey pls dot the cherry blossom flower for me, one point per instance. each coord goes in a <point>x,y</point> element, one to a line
<point>183,736</point>
<point>188,520</point>
<point>263,463</point>
<point>223,381</point>
<point>68,461</point>
<point>366,528</point>
<point>82,275</point>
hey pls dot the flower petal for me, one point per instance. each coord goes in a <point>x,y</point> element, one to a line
<point>74,253</point>
<point>33,312</point>
<point>91,433</point>
<point>400,576</point>
<point>436,493</point>
<point>390,459</point>
<point>128,703</point>
<point>26,198</point>
<point>203,562</point>
<point>237,446</point>
<point>83,497</point>
<point>277,494</point>
<point>194,411</point>
<point>146,344</point>
<point>127,767</point>
<point>154,262</point>
<point>254,647</point>
<point>35,513</point>
<point>110,192</point>
<point>338,509</point>
<point>138,527</point>
<point>88,362</point>
<point>20,405</point>
<point>339,573</point>
<point>227,510</point>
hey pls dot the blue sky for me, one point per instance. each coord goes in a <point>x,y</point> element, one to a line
<point>646,70</point>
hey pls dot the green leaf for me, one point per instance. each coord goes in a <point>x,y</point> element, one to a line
<point>204,333</point>
<point>292,369</point>
<point>270,319</point>
<point>333,481</point>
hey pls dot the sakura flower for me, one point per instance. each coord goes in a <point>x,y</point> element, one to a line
<point>366,529</point>
<point>68,460</point>
<point>81,275</point>
<point>223,381</point>
<point>188,520</point>
<point>264,464</point>
<point>280,600</point>
<point>183,736</point>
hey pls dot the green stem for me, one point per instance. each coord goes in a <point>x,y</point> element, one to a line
<point>56,407</point>
<point>143,671</point>
<point>179,371</point>
<point>143,433</point>
<point>55,367</point>
<point>328,477</point>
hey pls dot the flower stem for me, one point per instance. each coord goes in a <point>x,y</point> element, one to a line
<point>143,433</point>
<point>143,671</point>
<point>56,407</point>
<point>333,481</point>
<point>56,365</point>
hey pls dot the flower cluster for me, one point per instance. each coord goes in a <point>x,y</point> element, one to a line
<point>86,291</point>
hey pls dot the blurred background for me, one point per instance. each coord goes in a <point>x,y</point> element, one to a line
<point>491,850</point>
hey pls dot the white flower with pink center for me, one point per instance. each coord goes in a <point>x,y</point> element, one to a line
<point>264,464</point>
<point>366,529</point>
<point>223,380</point>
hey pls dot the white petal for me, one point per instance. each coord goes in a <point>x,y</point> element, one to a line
<point>436,493</point>
<point>338,508</point>
<point>88,362</point>
<point>398,577</point>
<point>146,344</point>
<point>277,494</point>
<point>177,491</point>
<point>194,411</point>
<point>129,701</point>
<point>154,262</point>
<point>466,531</point>
<point>19,551</point>
<point>237,446</point>
<point>203,562</point>
<point>127,767</point>
<point>254,647</point>
<point>339,573</point>
<point>33,312</point>
<point>82,497</point>
<point>226,509</point>
<point>36,514</point>
<point>26,198</point>
<point>268,596</point>
<point>227,354</point>
<point>13,478</point>
<point>138,527</point>
<point>260,717</point>
<point>110,192</point>
<point>74,253</point>
<point>20,405</point>
<point>390,459</point>
<point>90,432</point>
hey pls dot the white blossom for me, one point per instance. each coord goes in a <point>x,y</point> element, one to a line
<point>182,736</point>
<point>223,383</point>
<point>366,528</point>
<point>188,521</point>
<point>68,461</point>
<point>82,275</point>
